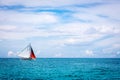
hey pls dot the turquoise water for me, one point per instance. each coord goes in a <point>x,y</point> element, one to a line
<point>60,69</point>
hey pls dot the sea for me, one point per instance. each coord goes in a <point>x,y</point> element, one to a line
<point>60,69</point>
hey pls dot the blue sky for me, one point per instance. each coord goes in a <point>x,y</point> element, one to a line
<point>64,28</point>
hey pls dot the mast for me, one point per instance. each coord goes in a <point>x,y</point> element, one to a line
<point>32,55</point>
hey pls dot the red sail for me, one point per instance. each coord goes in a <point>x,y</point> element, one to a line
<point>32,55</point>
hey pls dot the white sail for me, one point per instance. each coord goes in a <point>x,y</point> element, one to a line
<point>25,53</point>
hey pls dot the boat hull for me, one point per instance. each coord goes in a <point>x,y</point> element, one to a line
<point>27,58</point>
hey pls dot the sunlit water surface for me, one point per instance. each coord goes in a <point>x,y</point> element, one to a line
<point>60,69</point>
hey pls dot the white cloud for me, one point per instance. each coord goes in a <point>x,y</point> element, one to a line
<point>71,40</point>
<point>27,18</point>
<point>78,32</point>
<point>89,53</point>
<point>117,45</point>
<point>87,17</point>
<point>53,3</point>
<point>92,14</point>
<point>7,28</point>
<point>58,55</point>
<point>118,53</point>
<point>11,54</point>
<point>22,32</point>
<point>106,10</point>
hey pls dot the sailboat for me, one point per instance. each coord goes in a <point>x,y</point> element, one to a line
<point>27,53</point>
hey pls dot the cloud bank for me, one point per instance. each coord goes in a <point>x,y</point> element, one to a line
<point>74,28</point>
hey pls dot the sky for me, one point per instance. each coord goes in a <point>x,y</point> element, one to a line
<point>60,28</point>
